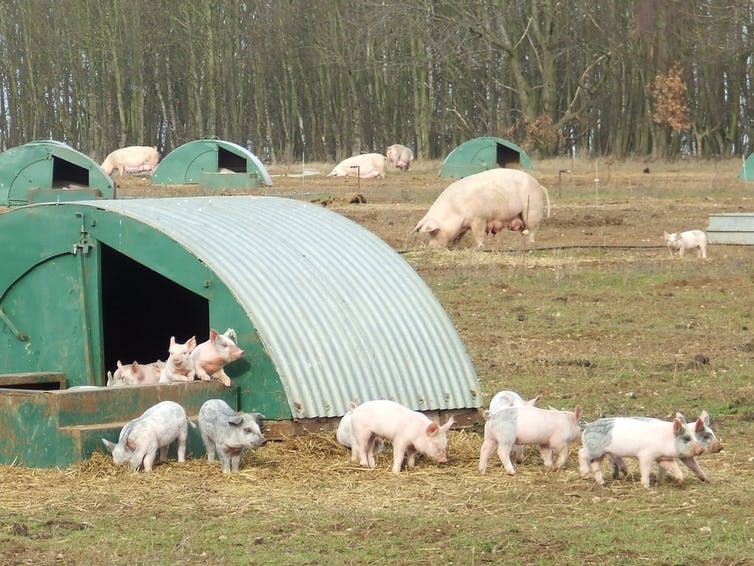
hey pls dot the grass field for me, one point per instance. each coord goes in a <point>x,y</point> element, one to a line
<point>596,313</point>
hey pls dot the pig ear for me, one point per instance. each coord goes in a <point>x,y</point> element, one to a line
<point>448,424</point>
<point>430,227</point>
<point>120,365</point>
<point>172,341</point>
<point>677,426</point>
<point>213,334</point>
<point>699,425</point>
<point>577,412</point>
<point>109,445</point>
<point>236,420</point>
<point>130,444</point>
<point>680,417</point>
<point>432,429</point>
<point>135,366</point>
<point>191,343</point>
<point>533,402</point>
<point>705,417</point>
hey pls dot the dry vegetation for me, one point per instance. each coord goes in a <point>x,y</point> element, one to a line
<point>597,314</point>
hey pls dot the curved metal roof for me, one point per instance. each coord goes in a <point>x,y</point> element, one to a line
<point>342,316</point>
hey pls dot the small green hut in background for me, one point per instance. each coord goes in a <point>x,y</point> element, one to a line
<point>481,154</point>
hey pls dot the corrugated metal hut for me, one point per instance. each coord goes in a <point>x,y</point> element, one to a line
<point>211,164</point>
<point>731,228</point>
<point>326,313</point>
<point>50,171</point>
<point>481,154</point>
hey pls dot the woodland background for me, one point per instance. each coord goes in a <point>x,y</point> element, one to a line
<point>321,80</point>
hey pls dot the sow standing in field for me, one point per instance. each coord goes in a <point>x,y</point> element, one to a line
<point>132,159</point>
<point>486,203</point>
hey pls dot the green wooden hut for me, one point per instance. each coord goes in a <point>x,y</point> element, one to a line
<point>326,314</point>
<point>50,171</point>
<point>211,164</point>
<point>481,154</point>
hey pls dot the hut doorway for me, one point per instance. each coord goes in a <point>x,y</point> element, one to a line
<point>141,310</point>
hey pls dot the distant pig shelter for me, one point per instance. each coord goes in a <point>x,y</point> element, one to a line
<point>326,313</point>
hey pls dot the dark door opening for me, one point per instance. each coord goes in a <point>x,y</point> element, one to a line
<point>141,310</point>
<point>231,161</point>
<point>507,157</point>
<point>65,173</point>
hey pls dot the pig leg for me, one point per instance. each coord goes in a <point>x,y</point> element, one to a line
<point>618,465</point>
<point>164,453</point>
<point>209,446</point>
<point>478,230</point>
<point>488,447</point>
<point>504,453</point>
<point>694,466</point>
<point>411,456</point>
<point>225,459</point>
<point>562,457</point>
<point>223,377</point>
<point>546,453</point>
<point>203,375</point>
<point>182,445</point>
<point>645,467</point>
<point>517,452</point>
<point>583,463</point>
<point>399,454</point>
<point>673,467</point>
<point>596,467</point>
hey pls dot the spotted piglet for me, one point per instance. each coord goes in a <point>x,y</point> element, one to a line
<point>647,440</point>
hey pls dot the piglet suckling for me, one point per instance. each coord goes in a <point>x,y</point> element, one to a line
<point>211,356</point>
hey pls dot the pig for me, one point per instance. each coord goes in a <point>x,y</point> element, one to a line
<point>549,429</point>
<point>700,428</point>
<point>400,156</point>
<point>211,356</point>
<point>485,203</point>
<point>647,440</point>
<point>227,433</point>
<point>366,166</point>
<point>132,159</point>
<point>135,374</point>
<point>503,399</point>
<point>344,434</point>
<point>409,431</point>
<point>153,430</point>
<point>179,365</point>
<point>687,241</point>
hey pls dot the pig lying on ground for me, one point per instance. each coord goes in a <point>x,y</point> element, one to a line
<point>135,374</point>
<point>366,166</point>
<point>549,429</point>
<point>344,434</point>
<point>211,356</point>
<point>400,156</point>
<point>704,434</point>
<point>485,203</point>
<point>503,399</point>
<point>179,365</point>
<point>409,431</point>
<point>228,433</point>
<point>154,430</point>
<point>132,159</point>
<point>687,241</point>
<point>647,440</point>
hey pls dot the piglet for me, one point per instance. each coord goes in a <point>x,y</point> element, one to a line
<point>154,430</point>
<point>344,434</point>
<point>211,356</point>
<point>503,399</point>
<point>135,374</point>
<point>704,434</point>
<point>179,365</point>
<point>687,241</point>
<point>409,431</point>
<point>549,429</point>
<point>647,440</point>
<point>227,433</point>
